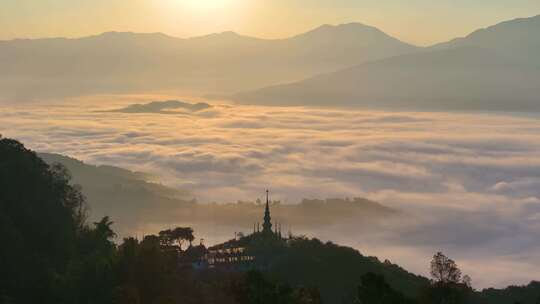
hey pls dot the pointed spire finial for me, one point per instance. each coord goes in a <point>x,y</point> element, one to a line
<point>267,224</point>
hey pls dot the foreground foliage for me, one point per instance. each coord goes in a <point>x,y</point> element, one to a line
<point>50,254</point>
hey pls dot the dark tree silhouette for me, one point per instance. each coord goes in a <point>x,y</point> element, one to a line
<point>41,217</point>
<point>447,287</point>
<point>166,238</point>
<point>255,288</point>
<point>184,234</point>
<point>49,254</point>
<point>444,269</point>
<point>177,236</point>
<point>467,281</point>
<point>375,290</point>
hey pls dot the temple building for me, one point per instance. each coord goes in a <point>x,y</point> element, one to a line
<point>267,223</point>
<point>235,254</point>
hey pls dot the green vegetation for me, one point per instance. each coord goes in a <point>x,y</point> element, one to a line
<point>374,289</point>
<point>50,254</point>
<point>513,294</point>
<point>336,270</point>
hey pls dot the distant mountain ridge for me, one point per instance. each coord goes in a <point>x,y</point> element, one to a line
<point>225,62</point>
<point>519,38</point>
<point>163,107</point>
<point>497,68</point>
<point>131,200</point>
<point>121,194</point>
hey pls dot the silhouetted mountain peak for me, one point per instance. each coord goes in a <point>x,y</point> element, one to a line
<point>130,35</point>
<point>518,21</point>
<point>348,33</point>
<point>229,34</point>
<point>111,35</point>
<point>223,36</point>
<point>518,24</point>
<point>515,37</point>
<point>342,29</point>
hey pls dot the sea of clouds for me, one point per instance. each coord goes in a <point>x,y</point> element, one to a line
<point>467,184</point>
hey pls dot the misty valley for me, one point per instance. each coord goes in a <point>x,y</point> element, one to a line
<point>340,165</point>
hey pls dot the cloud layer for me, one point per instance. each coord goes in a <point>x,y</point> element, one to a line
<point>468,184</point>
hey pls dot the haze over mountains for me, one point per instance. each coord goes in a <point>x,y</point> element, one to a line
<point>517,38</point>
<point>138,205</point>
<point>214,64</point>
<point>497,68</point>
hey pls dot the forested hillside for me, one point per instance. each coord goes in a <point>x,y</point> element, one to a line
<point>51,253</point>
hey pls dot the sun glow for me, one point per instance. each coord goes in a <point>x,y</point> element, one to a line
<point>204,5</point>
<point>201,17</point>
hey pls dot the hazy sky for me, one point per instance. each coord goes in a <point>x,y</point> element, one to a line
<point>416,21</point>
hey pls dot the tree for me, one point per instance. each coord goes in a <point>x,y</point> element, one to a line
<point>375,290</point>
<point>90,276</point>
<point>447,286</point>
<point>444,269</point>
<point>306,295</point>
<point>126,295</point>
<point>178,236</point>
<point>467,281</point>
<point>182,234</point>
<point>103,229</point>
<point>166,238</point>
<point>41,217</point>
<point>255,288</point>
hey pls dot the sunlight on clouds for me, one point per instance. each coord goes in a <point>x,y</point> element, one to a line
<point>467,183</point>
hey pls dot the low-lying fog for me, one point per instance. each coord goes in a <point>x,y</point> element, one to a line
<point>466,184</point>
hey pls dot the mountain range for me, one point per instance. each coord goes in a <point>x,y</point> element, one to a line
<point>496,68</point>
<point>136,202</point>
<point>213,64</point>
